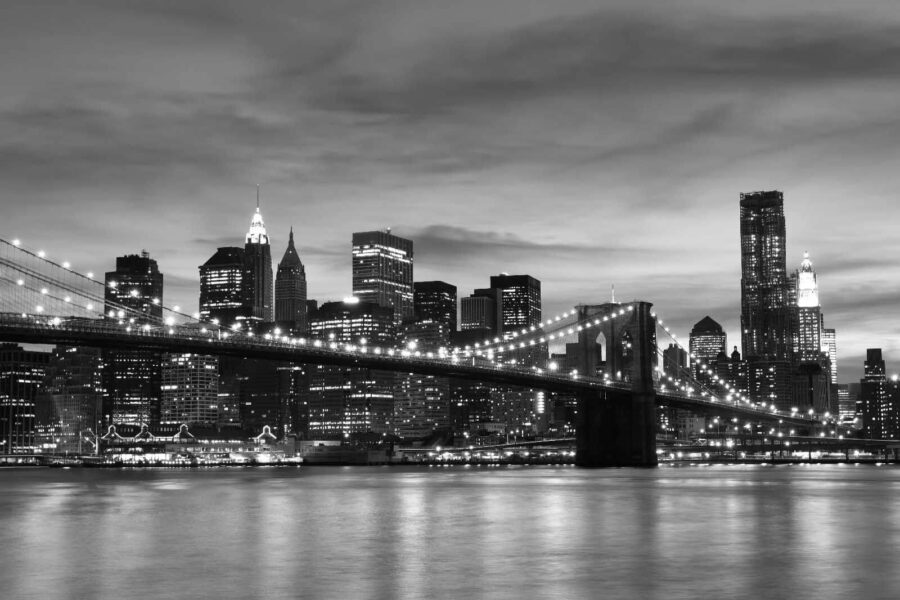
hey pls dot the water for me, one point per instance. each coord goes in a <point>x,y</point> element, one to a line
<point>461,532</point>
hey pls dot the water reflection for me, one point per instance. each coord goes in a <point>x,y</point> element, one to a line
<point>737,532</point>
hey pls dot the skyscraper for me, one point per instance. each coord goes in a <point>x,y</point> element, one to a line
<point>69,404</point>
<point>879,399</point>
<point>383,272</point>
<point>131,378</point>
<point>707,341</point>
<point>222,296</point>
<point>765,296</point>
<point>22,375</point>
<point>809,313</point>
<point>190,389</point>
<point>435,301</point>
<point>258,270</point>
<point>520,301</point>
<point>290,290</point>
<point>350,400</point>
<point>480,312</point>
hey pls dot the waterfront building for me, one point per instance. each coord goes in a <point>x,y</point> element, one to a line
<point>189,389</point>
<point>69,405</point>
<point>131,378</point>
<point>22,374</point>
<point>290,290</point>
<point>382,266</point>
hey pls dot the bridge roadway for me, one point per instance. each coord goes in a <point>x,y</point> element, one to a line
<point>43,329</point>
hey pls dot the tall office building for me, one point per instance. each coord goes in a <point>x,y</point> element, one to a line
<point>520,301</point>
<point>290,290</point>
<point>879,399</point>
<point>707,341</point>
<point>222,296</point>
<point>131,378</point>
<point>765,328</point>
<point>22,374</point>
<point>829,345</point>
<point>480,312</point>
<point>70,403</point>
<point>422,402</point>
<point>383,272</point>
<point>813,384</point>
<point>435,301</point>
<point>766,311</point>
<point>809,313</point>
<point>190,390</point>
<point>257,280</point>
<point>350,400</point>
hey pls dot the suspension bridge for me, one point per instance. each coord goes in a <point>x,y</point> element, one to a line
<point>47,302</point>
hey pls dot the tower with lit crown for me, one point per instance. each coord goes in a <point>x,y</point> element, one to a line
<point>809,313</point>
<point>290,290</point>
<point>258,269</point>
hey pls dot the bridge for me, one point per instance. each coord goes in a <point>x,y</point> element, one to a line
<point>47,302</point>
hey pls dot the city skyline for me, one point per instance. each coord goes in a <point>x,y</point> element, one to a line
<point>528,160</point>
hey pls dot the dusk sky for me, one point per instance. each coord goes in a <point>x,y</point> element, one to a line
<point>583,143</point>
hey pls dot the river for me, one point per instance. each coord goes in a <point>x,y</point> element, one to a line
<point>792,531</point>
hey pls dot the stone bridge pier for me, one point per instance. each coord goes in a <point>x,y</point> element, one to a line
<point>618,428</point>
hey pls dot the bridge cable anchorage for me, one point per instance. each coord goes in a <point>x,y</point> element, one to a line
<point>554,328</point>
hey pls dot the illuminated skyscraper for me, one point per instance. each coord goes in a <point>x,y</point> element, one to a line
<point>809,321</point>
<point>22,375</point>
<point>829,345</point>
<point>222,296</point>
<point>350,400</point>
<point>257,280</point>
<point>290,290</point>
<point>383,272</point>
<point>879,398</point>
<point>707,341</point>
<point>766,312</point>
<point>131,378</point>
<point>190,389</point>
<point>69,404</point>
<point>520,301</point>
<point>435,301</point>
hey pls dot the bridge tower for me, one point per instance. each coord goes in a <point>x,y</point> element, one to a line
<point>618,428</point>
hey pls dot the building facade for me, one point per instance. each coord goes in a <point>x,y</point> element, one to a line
<point>344,401</point>
<point>382,266</point>
<point>131,378</point>
<point>222,297</point>
<point>22,374</point>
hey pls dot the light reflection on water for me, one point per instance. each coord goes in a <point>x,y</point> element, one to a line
<point>520,532</point>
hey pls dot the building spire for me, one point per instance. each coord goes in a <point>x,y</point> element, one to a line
<point>613,294</point>
<point>257,233</point>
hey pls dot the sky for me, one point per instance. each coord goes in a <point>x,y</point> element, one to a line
<point>588,144</point>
